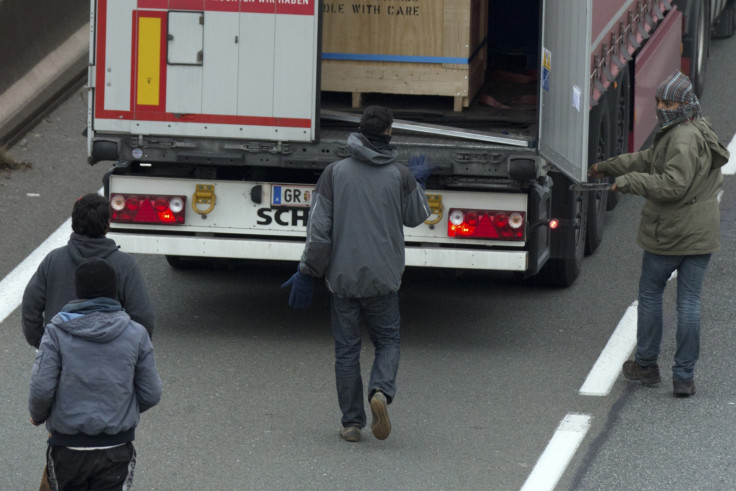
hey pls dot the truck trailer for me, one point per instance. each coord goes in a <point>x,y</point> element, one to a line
<point>220,115</point>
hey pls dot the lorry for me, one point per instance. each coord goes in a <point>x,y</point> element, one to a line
<point>219,116</point>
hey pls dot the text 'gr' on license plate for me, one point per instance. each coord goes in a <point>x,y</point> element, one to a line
<point>294,196</point>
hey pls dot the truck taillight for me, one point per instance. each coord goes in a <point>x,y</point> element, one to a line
<point>141,208</point>
<point>486,224</point>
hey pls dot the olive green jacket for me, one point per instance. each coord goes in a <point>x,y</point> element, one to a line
<point>680,177</point>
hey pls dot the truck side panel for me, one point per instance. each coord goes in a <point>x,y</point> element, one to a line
<point>658,59</point>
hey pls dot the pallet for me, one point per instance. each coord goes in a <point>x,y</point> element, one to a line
<point>461,82</point>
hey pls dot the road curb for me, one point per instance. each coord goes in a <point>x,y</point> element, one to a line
<point>54,74</point>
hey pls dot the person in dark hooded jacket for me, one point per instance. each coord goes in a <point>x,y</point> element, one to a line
<point>52,285</point>
<point>94,373</point>
<point>680,177</point>
<point>355,239</point>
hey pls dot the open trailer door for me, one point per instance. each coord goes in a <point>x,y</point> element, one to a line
<point>564,92</point>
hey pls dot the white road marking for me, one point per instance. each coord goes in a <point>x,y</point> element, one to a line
<point>12,286</point>
<point>730,167</point>
<point>560,450</point>
<point>606,369</point>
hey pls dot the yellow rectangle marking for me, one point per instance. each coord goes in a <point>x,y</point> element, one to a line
<point>149,61</point>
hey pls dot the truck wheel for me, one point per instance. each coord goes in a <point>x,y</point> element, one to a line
<point>620,106</point>
<point>726,22</point>
<point>180,262</point>
<point>697,49</point>
<point>568,242</point>
<point>599,148</point>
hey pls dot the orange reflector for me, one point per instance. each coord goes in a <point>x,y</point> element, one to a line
<point>554,223</point>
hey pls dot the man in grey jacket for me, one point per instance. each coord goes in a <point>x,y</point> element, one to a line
<point>52,286</point>
<point>355,239</point>
<point>93,375</point>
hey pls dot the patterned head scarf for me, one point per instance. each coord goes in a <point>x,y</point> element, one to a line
<point>678,88</point>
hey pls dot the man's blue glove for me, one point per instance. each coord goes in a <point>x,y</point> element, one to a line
<point>302,286</point>
<point>420,169</point>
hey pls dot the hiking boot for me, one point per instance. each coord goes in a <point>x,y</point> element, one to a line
<point>683,388</point>
<point>381,426</point>
<point>648,376</point>
<point>350,433</point>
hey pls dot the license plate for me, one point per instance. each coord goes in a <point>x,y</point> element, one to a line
<point>291,196</point>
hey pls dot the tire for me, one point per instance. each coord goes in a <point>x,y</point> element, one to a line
<point>699,24</point>
<point>621,107</point>
<point>562,268</point>
<point>183,262</point>
<point>726,24</point>
<point>599,148</point>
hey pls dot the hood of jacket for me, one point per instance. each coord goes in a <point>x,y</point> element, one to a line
<point>81,247</point>
<point>361,149</point>
<point>98,320</point>
<point>717,149</point>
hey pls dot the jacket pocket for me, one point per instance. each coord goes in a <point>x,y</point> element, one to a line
<point>649,224</point>
<point>703,226</point>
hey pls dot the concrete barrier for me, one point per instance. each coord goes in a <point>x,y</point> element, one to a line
<point>43,50</point>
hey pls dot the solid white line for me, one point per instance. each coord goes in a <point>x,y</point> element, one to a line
<point>606,369</point>
<point>560,450</point>
<point>12,286</point>
<point>730,167</point>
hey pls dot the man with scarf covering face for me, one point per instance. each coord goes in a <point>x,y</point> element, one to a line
<point>355,239</point>
<point>680,177</point>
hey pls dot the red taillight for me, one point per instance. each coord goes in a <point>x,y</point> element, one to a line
<point>161,204</point>
<point>133,203</point>
<point>154,209</point>
<point>486,224</point>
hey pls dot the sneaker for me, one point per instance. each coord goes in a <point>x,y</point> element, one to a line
<point>350,433</point>
<point>683,388</point>
<point>381,426</point>
<point>648,376</point>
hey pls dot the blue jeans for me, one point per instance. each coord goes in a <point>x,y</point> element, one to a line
<point>656,269</point>
<point>381,317</point>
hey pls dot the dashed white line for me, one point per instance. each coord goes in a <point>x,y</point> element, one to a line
<point>601,378</point>
<point>560,450</point>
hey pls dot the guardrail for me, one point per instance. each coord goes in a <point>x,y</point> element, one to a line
<point>45,45</point>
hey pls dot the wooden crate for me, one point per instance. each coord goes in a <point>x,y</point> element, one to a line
<point>421,47</point>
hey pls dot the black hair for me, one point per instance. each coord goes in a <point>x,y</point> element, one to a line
<point>91,215</point>
<point>375,120</point>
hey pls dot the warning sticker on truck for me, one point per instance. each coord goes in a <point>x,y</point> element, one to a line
<point>546,68</point>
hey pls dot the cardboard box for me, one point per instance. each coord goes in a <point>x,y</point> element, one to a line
<point>422,47</point>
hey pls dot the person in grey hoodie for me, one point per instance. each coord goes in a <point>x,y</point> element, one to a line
<point>355,239</point>
<point>680,177</point>
<point>93,375</point>
<point>52,285</point>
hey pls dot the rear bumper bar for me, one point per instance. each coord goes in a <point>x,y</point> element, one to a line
<point>275,250</point>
